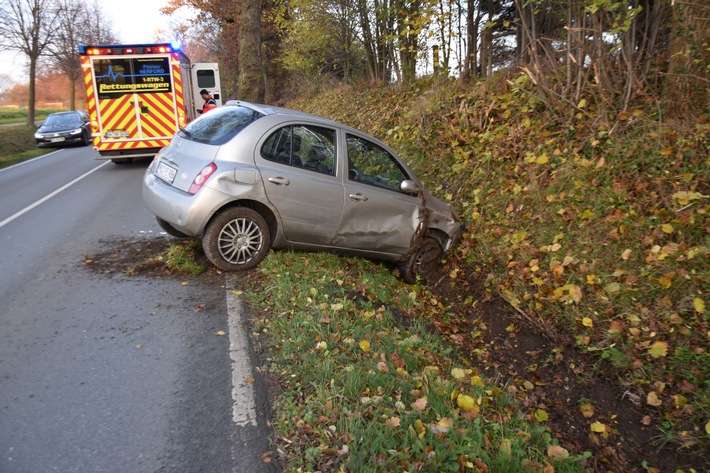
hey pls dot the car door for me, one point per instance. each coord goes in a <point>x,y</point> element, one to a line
<point>298,165</point>
<point>377,215</point>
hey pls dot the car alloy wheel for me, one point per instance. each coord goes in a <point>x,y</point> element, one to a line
<point>423,262</point>
<point>236,239</point>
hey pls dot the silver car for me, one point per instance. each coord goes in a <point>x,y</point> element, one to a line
<point>246,178</point>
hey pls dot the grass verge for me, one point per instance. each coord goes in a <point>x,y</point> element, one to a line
<point>597,235</point>
<point>366,387</point>
<point>17,144</point>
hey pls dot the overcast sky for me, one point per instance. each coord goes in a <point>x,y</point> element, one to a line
<point>133,21</point>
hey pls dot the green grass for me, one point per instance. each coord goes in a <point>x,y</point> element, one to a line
<point>19,115</point>
<point>367,388</point>
<point>598,237</point>
<point>17,144</point>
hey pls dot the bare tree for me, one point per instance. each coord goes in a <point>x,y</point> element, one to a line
<point>73,19</point>
<point>78,23</point>
<point>29,27</point>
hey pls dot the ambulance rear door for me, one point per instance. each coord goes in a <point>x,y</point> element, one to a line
<point>136,98</point>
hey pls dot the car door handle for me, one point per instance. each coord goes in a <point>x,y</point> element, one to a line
<point>358,197</point>
<point>279,181</point>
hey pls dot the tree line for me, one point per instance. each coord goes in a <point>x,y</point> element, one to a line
<point>572,55</point>
<point>50,31</point>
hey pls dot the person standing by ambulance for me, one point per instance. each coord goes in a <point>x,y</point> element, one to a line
<point>210,104</point>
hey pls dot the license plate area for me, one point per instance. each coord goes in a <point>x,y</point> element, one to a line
<point>166,172</point>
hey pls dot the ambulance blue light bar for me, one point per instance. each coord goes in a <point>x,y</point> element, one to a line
<point>125,49</point>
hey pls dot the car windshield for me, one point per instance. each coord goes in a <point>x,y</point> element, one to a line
<point>63,119</point>
<point>220,125</point>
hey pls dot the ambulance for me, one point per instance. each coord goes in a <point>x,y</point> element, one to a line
<point>139,95</point>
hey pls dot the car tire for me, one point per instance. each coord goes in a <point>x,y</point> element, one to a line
<point>423,262</point>
<point>85,138</point>
<point>170,230</point>
<point>236,239</point>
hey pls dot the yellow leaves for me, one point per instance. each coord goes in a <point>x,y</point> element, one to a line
<point>686,197</point>
<point>652,399</point>
<point>443,426</point>
<point>221,333</point>
<point>587,322</point>
<point>707,428</point>
<point>699,305</point>
<point>598,427</point>
<point>419,428</point>
<point>626,254</point>
<point>569,293</point>
<point>587,410</point>
<point>458,374</point>
<point>519,237</point>
<point>666,281</point>
<point>659,349</point>
<point>364,346</point>
<point>467,403</point>
<point>541,416</point>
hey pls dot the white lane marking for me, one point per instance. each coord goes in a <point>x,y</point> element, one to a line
<point>49,196</point>
<point>244,407</point>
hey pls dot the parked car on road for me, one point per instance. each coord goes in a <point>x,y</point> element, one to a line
<point>246,178</point>
<point>64,128</point>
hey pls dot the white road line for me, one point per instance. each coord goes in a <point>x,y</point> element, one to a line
<point>244,408</point>
<point>47,197</point>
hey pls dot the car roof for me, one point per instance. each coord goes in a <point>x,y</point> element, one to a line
<point>66,112</point>
<point>274,110</point>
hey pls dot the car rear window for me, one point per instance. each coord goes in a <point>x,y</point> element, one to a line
<point>220,125</point>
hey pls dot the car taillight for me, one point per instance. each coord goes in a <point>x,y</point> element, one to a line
<point>202,177</point>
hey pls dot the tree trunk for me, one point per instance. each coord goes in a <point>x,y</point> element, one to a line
<point>32,92</point>
<point>251,72</point>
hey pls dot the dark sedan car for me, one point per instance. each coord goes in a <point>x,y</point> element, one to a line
<point>64,128</point>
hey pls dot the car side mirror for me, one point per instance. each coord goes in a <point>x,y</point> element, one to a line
<point>410,187</point>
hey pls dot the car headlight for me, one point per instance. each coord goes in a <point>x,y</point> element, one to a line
<point>39,136</point>
<point>75,132</point>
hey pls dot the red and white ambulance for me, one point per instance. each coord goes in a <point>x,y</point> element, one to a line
<point>139,95</point>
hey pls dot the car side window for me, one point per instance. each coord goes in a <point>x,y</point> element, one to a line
<point>304,146</point>
<point>371,164</point>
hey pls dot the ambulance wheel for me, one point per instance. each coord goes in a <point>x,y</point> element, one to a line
<point>170,230</point>
<point>236,239</point>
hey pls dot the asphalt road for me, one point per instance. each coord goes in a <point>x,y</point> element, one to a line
<point>109,373</point>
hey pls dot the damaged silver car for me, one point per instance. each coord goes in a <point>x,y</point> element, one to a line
<point>246,178</point>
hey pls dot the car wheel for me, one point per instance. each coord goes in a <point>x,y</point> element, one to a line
<point>85,138</point>
<point>423,262</point>
<point>170,230</point>
<point>236,239</point>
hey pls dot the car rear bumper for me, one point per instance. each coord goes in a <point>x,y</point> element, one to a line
<point>187,213</point>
